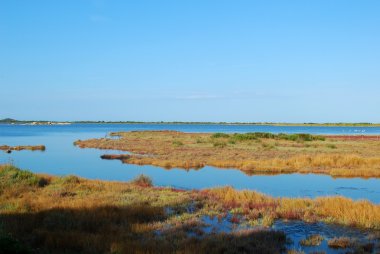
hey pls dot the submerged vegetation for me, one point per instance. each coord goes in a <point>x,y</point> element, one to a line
<point>75,215</point>
<point>253,153</point>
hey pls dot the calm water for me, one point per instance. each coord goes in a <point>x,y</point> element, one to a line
<point>299,230</point>
<point>61,158</point>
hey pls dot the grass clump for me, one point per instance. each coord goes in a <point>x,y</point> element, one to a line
<point>300,137</point>
<point>268,146</point>
<point>143,181</point>
<point>238,137</point>
<point>294,251</point>
<point>177,143</point>
<point>70,179</point>
<point>220,144</point>
<point>340,243</point>
<point>220,135</point>
<point>312,240</point>
<point>10,175</point>
<point>280,136</point>
<point>200,141</point>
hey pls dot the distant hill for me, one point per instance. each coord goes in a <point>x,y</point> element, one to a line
<point>8,120</point>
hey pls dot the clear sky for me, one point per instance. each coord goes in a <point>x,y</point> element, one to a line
<point>190,60</point>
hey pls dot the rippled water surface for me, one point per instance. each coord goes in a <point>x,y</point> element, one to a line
<point>62,157</point>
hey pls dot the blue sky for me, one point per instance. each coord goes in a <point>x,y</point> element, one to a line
<point>198,60</point>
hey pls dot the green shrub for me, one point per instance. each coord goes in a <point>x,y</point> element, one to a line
<point>42,182</point>
<point>220,135</point>
<point>300,137</point>
<point>10,175</point>
<point>263,135</point>
<point>243,136</point>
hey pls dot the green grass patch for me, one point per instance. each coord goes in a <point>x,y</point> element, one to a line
<point>220,135</point>
<point>280,136</point>
<point>177,143</point>
<point>331,146</point>
<point>220,144</point>
<point>10,175</point>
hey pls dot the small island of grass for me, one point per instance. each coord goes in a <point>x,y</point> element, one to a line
<point>20,148</point>
<point>252,153</point>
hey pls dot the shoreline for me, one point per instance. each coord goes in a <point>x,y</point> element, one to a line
<point>21,122</point>
<point>32,203</point>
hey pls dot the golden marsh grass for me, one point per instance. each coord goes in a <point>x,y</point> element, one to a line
<point>252,153</point>
<point>71,214</point>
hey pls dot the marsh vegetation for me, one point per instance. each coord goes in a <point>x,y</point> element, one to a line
<point>20,148</point>
<point>74,215</point>
<point>253,153</point>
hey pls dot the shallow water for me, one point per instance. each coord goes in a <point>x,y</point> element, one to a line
<point>62,157</point>
<point>296,231</point>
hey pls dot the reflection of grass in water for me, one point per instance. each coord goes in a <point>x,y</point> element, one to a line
<point>252,153</point>
<point>72,214</point>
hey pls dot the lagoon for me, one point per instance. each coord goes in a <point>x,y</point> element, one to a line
<point>62,157</point>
